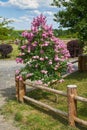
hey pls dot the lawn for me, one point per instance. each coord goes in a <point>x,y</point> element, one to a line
<point>14,53</point>
<point>31,117</point>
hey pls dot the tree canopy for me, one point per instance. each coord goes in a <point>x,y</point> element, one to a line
<point>5,30</point>
<point>72,15</point>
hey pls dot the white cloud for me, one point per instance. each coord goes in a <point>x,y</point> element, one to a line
<point>2,3</point>
<point>15,20</point>
<point>37,12</point>
<point>36,7</point>
<point>50,13</point>
<point>23,4</point>
<point>26,4</point>
<point>45,2</point>
<point>25,18</point>
<point>22,19</point>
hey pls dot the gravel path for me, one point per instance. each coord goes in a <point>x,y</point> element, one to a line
<point>7,89</point>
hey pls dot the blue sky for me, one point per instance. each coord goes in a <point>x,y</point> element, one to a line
<point>23,12</point>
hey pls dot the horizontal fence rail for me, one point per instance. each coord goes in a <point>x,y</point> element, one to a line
<point>82,122</point>
<point>75,61</point>
<point>47,89</point>
<point>81,99</point>
<point>46,106</point>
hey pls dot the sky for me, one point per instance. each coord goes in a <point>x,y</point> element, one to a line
<point>22,12</point>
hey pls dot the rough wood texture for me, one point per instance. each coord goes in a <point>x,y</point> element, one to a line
<point>82,63</point>
<point>22,90</point>
<point>72,104</point>
<point>17,87</point>
<point>46,106</point>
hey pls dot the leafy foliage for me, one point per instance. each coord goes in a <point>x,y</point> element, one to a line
<point>75,48</point>
<point>5,49</point>
<point>5,30</point>
<point>72,15</point>
<point>44,55</point>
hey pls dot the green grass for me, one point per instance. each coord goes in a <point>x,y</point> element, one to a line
<point>15,52</point>
<point>32,117</point>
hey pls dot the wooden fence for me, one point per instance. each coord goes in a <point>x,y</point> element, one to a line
<point>71,96</point>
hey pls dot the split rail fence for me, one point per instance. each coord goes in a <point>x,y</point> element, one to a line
<point>71,96</point>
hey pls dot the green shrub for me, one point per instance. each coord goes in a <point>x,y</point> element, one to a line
<point>75,48</point>
<point>5,49</point>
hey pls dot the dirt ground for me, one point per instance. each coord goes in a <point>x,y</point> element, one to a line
<point>7,89</point>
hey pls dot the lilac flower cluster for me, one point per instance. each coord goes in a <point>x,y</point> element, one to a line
<point>45,56</point>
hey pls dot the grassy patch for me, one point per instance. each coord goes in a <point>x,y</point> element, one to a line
<point>15,52</point>
<point>31,117</point>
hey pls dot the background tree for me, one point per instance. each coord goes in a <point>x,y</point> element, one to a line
<point>5,30</point>
<point>72,15</point>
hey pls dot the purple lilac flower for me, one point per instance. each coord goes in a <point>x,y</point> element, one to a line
<point>44,71</point>
<point>50,62</point>
<point>38,82</point>
<point>23,47</point>
<point>20,78</point>
<point>29,75</point>
<point>56,58</point>
<point>41,59</point>
<point>24,34</point>
<point>17,72</point>
<point>41,51</point>
<point>61,80</point>
<point>70,67</point>
<point>35,57</point>
<point>19,60</point>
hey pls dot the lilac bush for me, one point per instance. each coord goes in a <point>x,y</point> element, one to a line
<point>45,56</point>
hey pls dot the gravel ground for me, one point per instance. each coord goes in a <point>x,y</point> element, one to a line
<point>7,89</point>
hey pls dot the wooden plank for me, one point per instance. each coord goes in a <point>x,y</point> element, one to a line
<point>81,99</point>
<point>46,106</point>
<point>64,76</point>
<point>47,89</point>
<point>74,61</point>
<point>82,122</point>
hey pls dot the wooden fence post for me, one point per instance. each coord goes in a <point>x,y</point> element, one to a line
<point>22,90</point>
<point>17,87</point>
<point>72,104</point>
<point>82,63</point>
